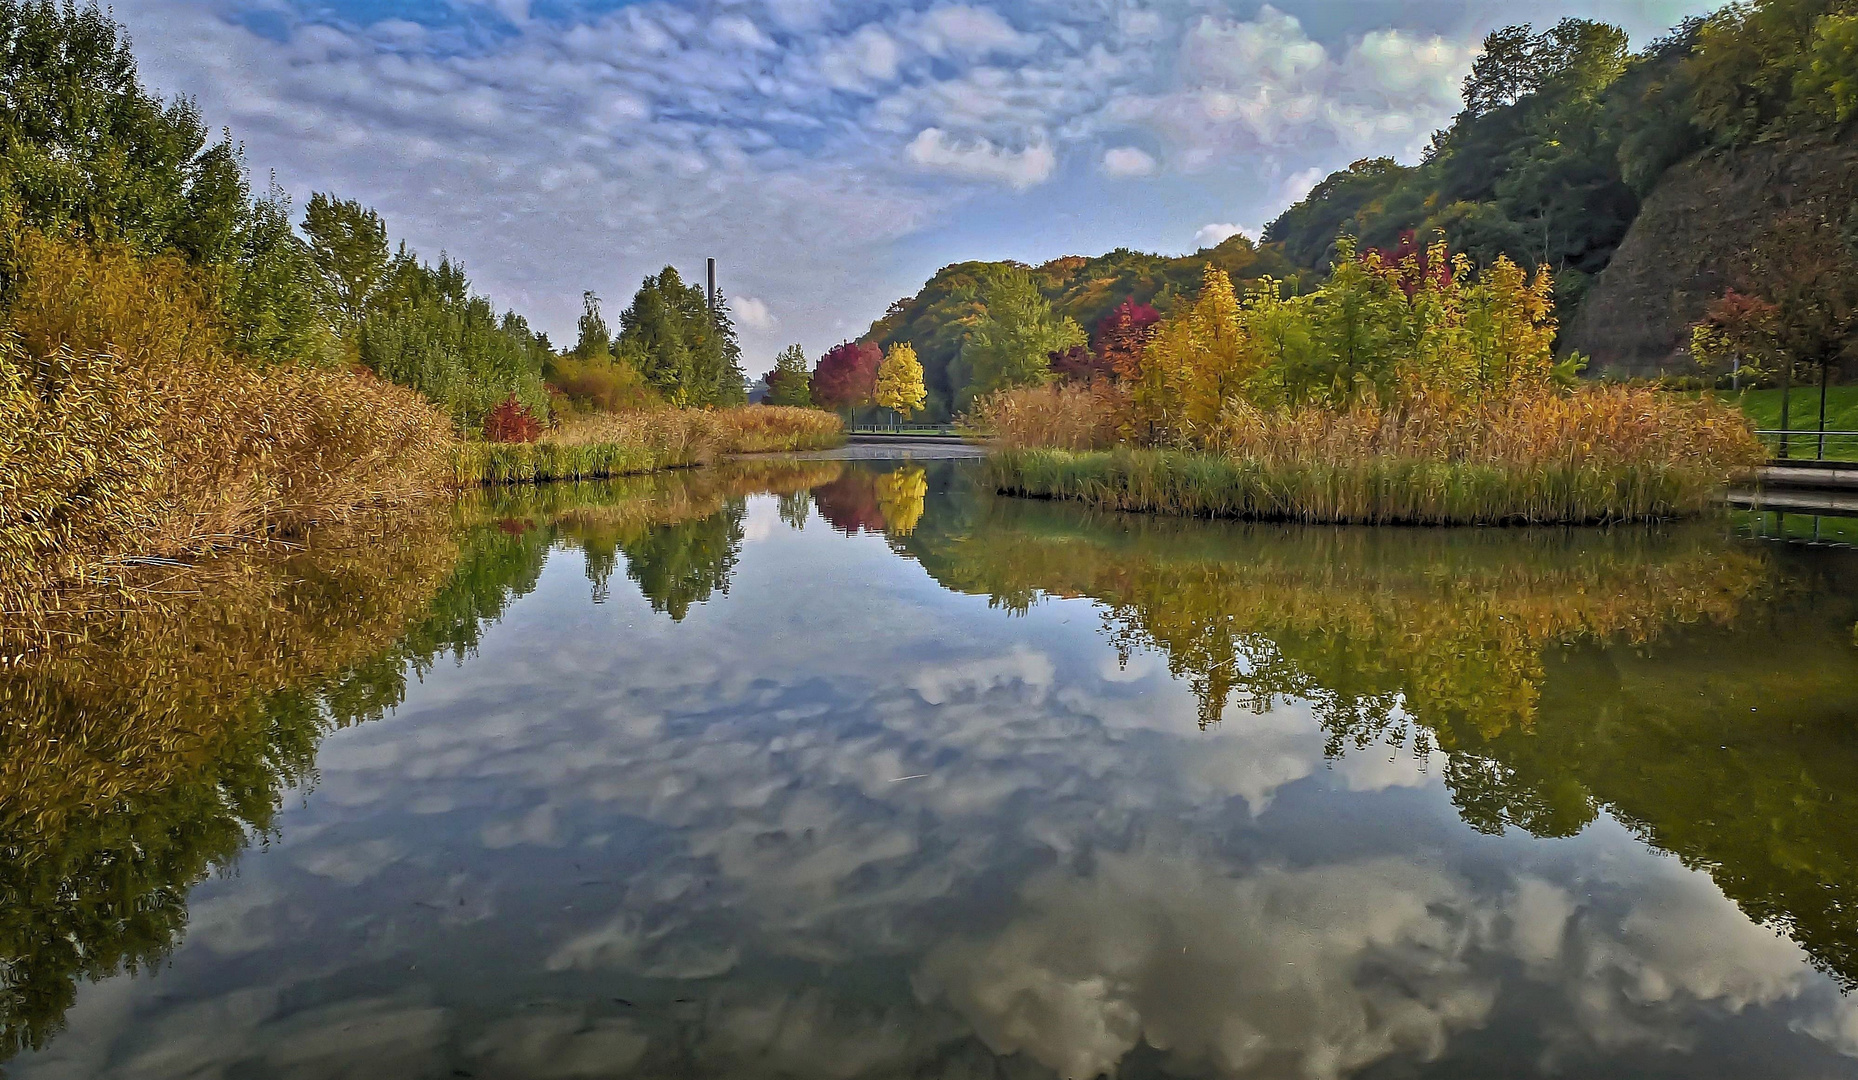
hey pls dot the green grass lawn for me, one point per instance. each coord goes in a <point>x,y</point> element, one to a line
<point>1764,408</point>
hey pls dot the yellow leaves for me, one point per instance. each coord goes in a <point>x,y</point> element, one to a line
<point>901,495</point>
<point>900,381</point>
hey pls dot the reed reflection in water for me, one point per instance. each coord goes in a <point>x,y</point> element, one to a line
<point>838,768</point>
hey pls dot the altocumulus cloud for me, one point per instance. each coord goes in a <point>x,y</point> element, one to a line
<point>802,142</point>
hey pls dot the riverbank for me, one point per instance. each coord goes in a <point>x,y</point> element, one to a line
<point>628,444</point>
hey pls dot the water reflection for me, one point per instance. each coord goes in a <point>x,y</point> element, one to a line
<point>156,744</point>
<point>780,802</point>
<point>1694,689</point>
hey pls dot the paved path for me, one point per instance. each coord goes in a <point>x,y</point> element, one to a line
<point>888,450</point>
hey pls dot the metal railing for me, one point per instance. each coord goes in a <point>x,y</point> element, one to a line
<point>905,428</point>
<point>1811,445</point>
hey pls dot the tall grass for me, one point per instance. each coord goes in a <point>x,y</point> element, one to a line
<point>129,430</point>
<point>625,444</point>
<point>1056,416</point>
<point>1598,454</point>
<point>763,429</point>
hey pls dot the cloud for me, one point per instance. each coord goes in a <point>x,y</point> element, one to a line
<point>1263,85</point>
<point>1215,233</point>
<point>753,313</point>
<point>1123,161</point>
<point>979,159</point>
<point>585,150</point>
<point>970,31</point>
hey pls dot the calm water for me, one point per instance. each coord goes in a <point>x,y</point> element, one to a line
<point>846,769</point>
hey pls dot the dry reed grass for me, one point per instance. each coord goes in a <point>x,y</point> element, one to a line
<point>128,430</point>
<point>1600,453</point>
<point>628,443</point>
<point>1056,416</point>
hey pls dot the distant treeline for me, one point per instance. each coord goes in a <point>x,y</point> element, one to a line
<point>1562,134</point>
<point>88,155</point>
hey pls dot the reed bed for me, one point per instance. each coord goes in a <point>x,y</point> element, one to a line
<point>130,432</point>
<point>1598,454</point>
<point>626,444</point>
<point>765,429</point>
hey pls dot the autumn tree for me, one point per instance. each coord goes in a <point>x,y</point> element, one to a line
<point>846,376</point>
<point>1123,334</point>
<point>899,386</point>
<point>789,381</point>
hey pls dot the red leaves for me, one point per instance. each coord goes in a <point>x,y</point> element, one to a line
<point>510,422</point>
<point>1122,334</point>
<point>846,375</point>
<point>1412,262</point>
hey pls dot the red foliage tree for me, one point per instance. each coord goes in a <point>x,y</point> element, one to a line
<point>510,422</point>
<point>1122,334</point>
<point>1414,263</point>
<point>847,375</point>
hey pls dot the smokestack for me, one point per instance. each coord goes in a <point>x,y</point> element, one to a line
<point>712,293</point>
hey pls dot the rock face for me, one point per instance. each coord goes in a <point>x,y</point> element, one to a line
<point>1689,237</point>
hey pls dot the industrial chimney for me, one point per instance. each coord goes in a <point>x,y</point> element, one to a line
<point>712,292</point>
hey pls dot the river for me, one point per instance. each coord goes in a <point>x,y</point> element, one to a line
<point>849,768</point>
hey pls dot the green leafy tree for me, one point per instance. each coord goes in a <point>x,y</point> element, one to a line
<point>593,339</point>
<point>685,351</point>
<point>1011,343</point>
<point>348,242</point>
<point>430,332</point>
<point>789,383</point>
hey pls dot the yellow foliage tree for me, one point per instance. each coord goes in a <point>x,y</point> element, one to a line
<point>900,381</point>
<point>1196,361</point>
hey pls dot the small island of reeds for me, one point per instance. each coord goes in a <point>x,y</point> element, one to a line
<point>1407,389</point>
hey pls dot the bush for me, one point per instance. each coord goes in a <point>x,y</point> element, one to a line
<point>510,422</point>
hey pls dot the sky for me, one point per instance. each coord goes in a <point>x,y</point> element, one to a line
<point>829,154</point>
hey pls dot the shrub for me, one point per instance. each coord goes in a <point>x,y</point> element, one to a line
<point>510,422</point>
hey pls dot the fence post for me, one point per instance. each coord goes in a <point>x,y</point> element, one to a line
<point>1824,368</point>
<point>1786,391</point>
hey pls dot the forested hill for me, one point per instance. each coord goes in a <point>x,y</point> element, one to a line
<point>1566,134</point>
<point>939,319</point>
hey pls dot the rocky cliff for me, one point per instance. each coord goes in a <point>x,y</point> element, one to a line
<point>1691,235</point>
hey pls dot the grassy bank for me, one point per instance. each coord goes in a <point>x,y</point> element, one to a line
<point>1374,491</point>
<point>626,444</point>
<point>1764,407</point>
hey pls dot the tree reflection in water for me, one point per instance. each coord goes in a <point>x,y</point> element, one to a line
<point>159,741</point>
<point>1687,683</point>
